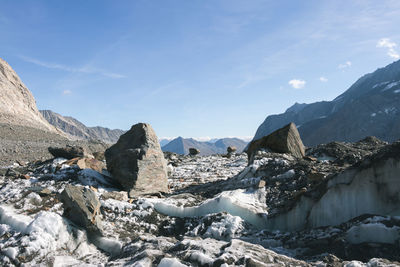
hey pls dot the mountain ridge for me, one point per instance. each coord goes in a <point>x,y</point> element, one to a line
<point>77,130</point>
<point>181,145</point>
<point>375,96</point>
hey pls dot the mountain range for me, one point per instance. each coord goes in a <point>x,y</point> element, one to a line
<point>370,107</point>
<point>77,130</point>
<point>181,145</point>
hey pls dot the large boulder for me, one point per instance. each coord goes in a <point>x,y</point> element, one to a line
<point>68,152</point>
<point>82,207</point>
<point>137,162</point>
<point>284,140</point>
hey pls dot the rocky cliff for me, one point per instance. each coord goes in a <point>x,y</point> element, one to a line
<point>17,104</point>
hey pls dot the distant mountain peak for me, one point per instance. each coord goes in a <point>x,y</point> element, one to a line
<point>181,145</point>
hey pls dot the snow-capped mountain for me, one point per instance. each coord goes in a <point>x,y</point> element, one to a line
<point>371,106</point>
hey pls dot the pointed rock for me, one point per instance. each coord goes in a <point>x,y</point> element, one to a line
<point>137,162</point>
<point>284,140</point>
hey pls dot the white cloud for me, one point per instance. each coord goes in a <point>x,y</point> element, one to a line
<point>67,92</point>
<point>387,43</point>
<point>85,69</point>
<point>323,79</point>
<point>297,84</point>
<point>347,64</point>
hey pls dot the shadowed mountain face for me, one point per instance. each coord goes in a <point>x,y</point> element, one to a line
<point>181,146</point>
<point>78,130</point>
<point>371,106</point>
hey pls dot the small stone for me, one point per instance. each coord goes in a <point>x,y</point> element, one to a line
<point>193,151</point>
<point>12,173</point>
<point>231,149</point>
<point>45,192</point>
<point>24,176</point>
<point>261,184</point>
<point>99,155</point>
<point>117,195</point>
<point>315,176</point>
<point>309,158</point>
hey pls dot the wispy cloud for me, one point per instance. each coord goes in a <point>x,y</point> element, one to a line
<point>67,92</point>
<point>297,84</point>
<point>323,79</point>
<point>345,65</point>
<point>85,69</point>
<point>387,43</point>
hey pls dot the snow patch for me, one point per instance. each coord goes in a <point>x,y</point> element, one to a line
<point>373,233</point>
<point>390,86</point>
<point>170,262</point>
<point>92,178</point>
<point>247,204</point>
<point>201,258</point>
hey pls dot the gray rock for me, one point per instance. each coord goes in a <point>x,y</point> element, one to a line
<point>193,151</point>
<point>82,207</point>
<point>137,162</point>
<point>284,140</point>
<point>117,195</point>
<point>68,152</point>
<point>231,149</point>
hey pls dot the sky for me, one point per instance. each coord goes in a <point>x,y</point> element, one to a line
<point>193,68</point>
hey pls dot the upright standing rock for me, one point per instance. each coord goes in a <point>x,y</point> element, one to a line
<point>137,162</point>
<point>284,140</point>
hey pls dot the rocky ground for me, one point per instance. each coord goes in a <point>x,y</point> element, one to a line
<point>25,144</point>
<point>216,213</point>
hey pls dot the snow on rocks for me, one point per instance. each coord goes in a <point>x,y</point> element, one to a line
<point>197,170</point>
<point>223,219</point>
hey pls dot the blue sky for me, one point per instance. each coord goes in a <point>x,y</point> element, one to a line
<point>193,68</point>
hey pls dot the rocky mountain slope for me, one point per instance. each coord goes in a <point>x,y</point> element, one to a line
<point>17,104</point>
<point>376,99</point>
<point>25,134</point>
<point>181,145</point>
<point>77,130</point>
